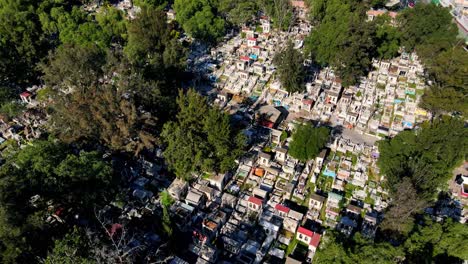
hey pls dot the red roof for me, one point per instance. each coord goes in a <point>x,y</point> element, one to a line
<point>282,208</point>
<point>255,200</point>
<point>464,189</point>
<point>315,240</point>
<point>245,58</point>
<point>256,47</point>
<point>305,231</point>
<point>253,39</point>
<point>25,94</point>
<point>307,101</point>
<point>266,123</point>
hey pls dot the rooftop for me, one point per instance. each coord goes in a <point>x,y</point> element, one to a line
<point>255,200</point>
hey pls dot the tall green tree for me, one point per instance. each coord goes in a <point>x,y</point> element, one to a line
<point>343,39</point>
<point>427,156</point>
<point>238,12</point>
<point>22,42</point>
<point>58,177</point>
<point>200,19</point>
<point>280,12</point>
<point>201,139</point>
<point>417,165</point>
<point>104,106</point>
<point>427,24</point>
<point>73,248</point>
<point>307,141</point>
<point>155,52</point>
<point>335,248</point>
<point>290,68</point>
<point>387,38</point>
<point>429,30</point>
<point>443,242</point>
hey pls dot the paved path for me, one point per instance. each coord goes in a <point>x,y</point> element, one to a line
<point>357,137</point>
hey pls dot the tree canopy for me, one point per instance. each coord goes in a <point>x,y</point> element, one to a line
<point>200,19</point>
<point>290,68</point>
<point>97,108</point>
<point>417,164</point>
<point>238,12</point>
<point>53,172</point>
<point>427,24</point>
<point>307,141</point>
<point>343,39</point>
<point>337,249</point>
<point>429,242</point>
<point>429,30</point>
<point>201,139</point>
<point>280,12</point>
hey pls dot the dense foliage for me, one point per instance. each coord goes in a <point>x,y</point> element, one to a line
<point>417,164</point>
<point>201,139</point>
<point>111,115</point>
<point>429,242</point>
<point>338,249</point>
<point>280,12</point>
<point>430,31</point>
<point>74,181</point>
<point>238,12</point>
<point>290,69</point>
<point>200,19</point>
<point>343,39</point>
<point>307,141</point>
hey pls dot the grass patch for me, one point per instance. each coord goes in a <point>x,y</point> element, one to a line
<point>349,190</point>
<point>369,200</point>
<point>292,245</point>
<point>323,213</point>
<point>412,96</point>
<point>206,175</point>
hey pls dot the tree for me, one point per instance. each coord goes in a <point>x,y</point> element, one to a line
<point>417,165</point>
<point>280,12</point>
<point>10,110</point>
<point>238,12</point>
<point>387,38</point>
<point>148,35</point>
<point>73,248</point>
<point>58,178</point>
<point>439,100</point>
<point>343,39</point>
<point>307,141</point>
<point>427,24</point>
<point>152,3</point>
<point>448,70</point>
<point>335,248</point>
<point>104,106</point>
<point>406,203</point>
<point>22,43</point>
<point>74,26</point>
<point>440,241</point>
<point>156,54</point>
<point>200,19</point>
<point>71,67</point>
<point>290,67</point>
<point>201,139</point>
<point>440,51</point>
<point>426,157</point>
